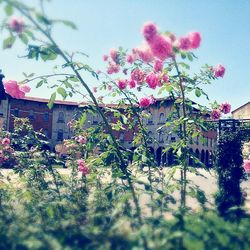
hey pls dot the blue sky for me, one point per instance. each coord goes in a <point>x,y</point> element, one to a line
<point>224,25</point>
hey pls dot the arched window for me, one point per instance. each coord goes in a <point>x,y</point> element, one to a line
<point>161,118</point>
<point>150,118</point>
<point>31,115</point>
<point>161,136</point>
<point>60,135</point>
<point>197,140</point>
<point>61,117</point>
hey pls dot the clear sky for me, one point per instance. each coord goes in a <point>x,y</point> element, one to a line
<point>103,24</point>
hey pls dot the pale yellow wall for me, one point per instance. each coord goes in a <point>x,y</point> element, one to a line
<point>242,113</point>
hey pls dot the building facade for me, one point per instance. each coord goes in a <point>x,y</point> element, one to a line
<point>243,112</point>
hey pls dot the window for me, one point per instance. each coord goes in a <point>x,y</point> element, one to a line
<point>150,119</point>
<point>160,136</point>
<point>121,137</point>
<point>46,116</point>
<point>31,115</point>
<point>60,135</point>
<point>161,118</point>
<point>173,139</point>
<point>61,117</point>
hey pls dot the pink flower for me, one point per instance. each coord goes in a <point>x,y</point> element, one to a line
<point>137,75</point>
<point>122,84</point>
<point>16,24</point>
<point>109,87</point>
<point>165,78</point>
<point>130,59</point>
<point>81,139</point>
<point>95,89</point>
<point>113,68</point>
<point>149,31</point>
<point>82,167</point>
<point>25,88</point>
<point>144,53</point>
<point>105,57</point>
<point>145,102</point>
<point>158,65</point>
<point>215,114</point>
<point>219,71</point>
<point>184,43</point>
<point>152,80</point>
<point>5,141</point>
<point>114,55</point>
<point>12,88</point>
<point>161,47</point>
<point>131,84</point>
<point>225,108</point>
<point>195,39</point>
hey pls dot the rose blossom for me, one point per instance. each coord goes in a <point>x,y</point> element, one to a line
<point>16,24</point>
<point>130,59</point>
<point>152,99</point>
<point>158,65</point>
<point>113,68</point>
<point>105,57</point>
<point>12,88</point>
<point>5,141</point>
<point>82,167</point>
<point>195,39</point>
<point>225,108</point>
<point>161,47</point>
<point>152,80</point>
<point>165,78</point>
<point>137,75</point>
<point>184,43</point>
<point>149,31</point>
<point>144,53</point>
<point>219,70</point>
<point>114,55</point>
<point>145,102</point>
<point>215,114</point>
<point>122,84</point>
<point>25,88</point>
<point>131,84</point>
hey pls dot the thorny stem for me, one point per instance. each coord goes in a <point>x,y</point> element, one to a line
<point>119,154</point>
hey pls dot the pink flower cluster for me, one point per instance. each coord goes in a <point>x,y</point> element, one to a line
<point>224,108</point>
<point>145,102</point>
<point>15,90</point>
<point>16,24</point>
<point>6,141</point>
<point>82,167</point>
<point>219,70</point>
<point>191,41</point>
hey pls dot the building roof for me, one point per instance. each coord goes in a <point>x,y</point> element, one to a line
<point>241,107</point>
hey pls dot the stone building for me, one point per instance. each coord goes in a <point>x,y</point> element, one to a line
<point>243,112</point>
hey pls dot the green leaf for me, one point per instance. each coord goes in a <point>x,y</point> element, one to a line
<point>83,119</point>
<point>190,58</point>
<point>24,38</point>
<point>8,42</point>
<point>69,24</point>
<point>9,9</point>
<point>62,92</point>
<point>39,84</point>
<point>73,79</point>
<point>197,92</point>
<point>51,100</point>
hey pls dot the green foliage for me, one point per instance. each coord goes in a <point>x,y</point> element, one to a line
<point>229,166</point>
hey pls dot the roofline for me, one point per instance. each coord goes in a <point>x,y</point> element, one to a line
<point>241,106</point>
